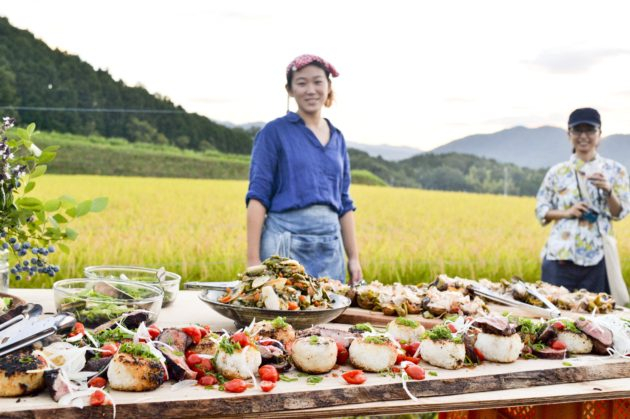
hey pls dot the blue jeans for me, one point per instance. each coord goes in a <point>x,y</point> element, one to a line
<point>311,235</point>
<point>574,277</point>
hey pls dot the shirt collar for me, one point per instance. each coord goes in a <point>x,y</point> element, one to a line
<point>295,118</point>
<point>578,163</point>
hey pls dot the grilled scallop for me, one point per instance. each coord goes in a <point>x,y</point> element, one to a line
<point>15,381</point>
<point>443,353</point>
<point>577,343</point>
<point>497,348</point>
<point>240,363</point>
<point>314,354</point>
<point>129,372</point>
<point>405,330</point>
<point>373,353</point>
<point>276,329</point>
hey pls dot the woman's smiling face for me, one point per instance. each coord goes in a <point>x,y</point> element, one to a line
<point>310,88</point>
<point>584,137</point>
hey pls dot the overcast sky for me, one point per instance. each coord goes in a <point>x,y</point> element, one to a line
<point>412,73</point>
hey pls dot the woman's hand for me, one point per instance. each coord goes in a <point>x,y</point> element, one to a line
<point>600,182</point>
<point>253,262</point>
<point>354,268</point>
<point>576,210</point>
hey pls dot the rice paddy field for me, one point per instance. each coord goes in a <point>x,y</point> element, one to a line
<point>197,229</point>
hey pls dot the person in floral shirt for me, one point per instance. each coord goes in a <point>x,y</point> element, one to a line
<point>573,255</point>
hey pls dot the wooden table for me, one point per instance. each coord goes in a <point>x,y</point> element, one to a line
<point>197,402</point>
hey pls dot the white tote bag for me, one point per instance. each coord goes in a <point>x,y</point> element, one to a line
<point>618,287</point>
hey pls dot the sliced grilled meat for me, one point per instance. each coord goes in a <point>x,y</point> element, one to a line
<point>56,385</point>
<point>175,361</point>
<point>97,364</point>
<point>469,343</point>
<point>341,336</point>
<point>129,320</point>
<point>602,337</point>
<point>550,353</point>
<point>496,325</point>
<point>548,334</point>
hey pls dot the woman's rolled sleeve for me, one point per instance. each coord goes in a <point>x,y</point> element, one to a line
<point>346,201</point>
<point>262,169</point>
<point>544,198</point>
<point>621,187</point>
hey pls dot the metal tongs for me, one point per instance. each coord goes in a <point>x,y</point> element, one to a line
<point>31,327</point>
<point>550,311</point>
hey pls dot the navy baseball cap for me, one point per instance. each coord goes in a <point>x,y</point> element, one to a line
<point>585,116</point>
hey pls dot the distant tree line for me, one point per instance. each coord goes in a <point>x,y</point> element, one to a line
<point>33,75</point>
<point>452,172</point>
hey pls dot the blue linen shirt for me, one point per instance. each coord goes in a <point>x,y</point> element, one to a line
<point>290,169</point>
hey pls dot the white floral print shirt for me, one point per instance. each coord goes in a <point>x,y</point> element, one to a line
<point>571,238</point>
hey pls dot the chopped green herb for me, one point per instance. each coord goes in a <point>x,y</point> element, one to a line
<point>221,388</point>
<point>538,347</point>
<point>302,374</point>
<point>364,327</point>
<point>209,387</point>
<point>287,379</point>
<point>227,346</point>
<point>433,373</point>
<point>113,335</point>
<point>137,349</point>
<point>314,379</point>
<point>530,356</point>
<point>567,364</point>
<point>26,360</point>
<point>439,332</point>
<point>377,339</point>
<point>6,301</point>
<point>406,322</point>
<point>313,340</point>
<point>279,323</point>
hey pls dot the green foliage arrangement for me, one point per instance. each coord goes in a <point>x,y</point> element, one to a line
<point>28,224</point>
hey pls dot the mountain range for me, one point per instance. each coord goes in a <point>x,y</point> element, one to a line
<point>526,147</point>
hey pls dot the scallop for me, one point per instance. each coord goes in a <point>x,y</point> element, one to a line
<point>239,364</point>
<point>404,333</point>
<point>577,343</point>
<point>371,356</point>
<point>497,348</point>
<point>314,354</point>
<point>443,353</point>
<point>127,372</point>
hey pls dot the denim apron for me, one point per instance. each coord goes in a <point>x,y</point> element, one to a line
<point>311,235</point>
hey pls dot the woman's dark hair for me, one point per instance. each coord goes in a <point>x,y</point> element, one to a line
<point>331,94</point>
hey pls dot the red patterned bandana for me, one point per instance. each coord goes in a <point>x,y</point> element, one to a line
<point>306,59</point>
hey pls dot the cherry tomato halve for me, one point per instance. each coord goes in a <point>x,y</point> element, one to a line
<point>354,377</point>
<point>235,386</point>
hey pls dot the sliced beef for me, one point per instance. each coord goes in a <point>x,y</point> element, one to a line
<point>548,334</point>
<point>601,337</point>
<point>469,343</point>
<point>56,385</point>
<point>175,338</point>
<point>97,364</point>
<point>341,336</point>
<point>129,320</point>
<point>496,325</point>
<point>550,353</point>
<point>175,360</point>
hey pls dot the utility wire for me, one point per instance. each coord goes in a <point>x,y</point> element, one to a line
<point>104,110</point>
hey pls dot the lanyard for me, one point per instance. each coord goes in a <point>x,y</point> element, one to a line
<point>600,200</point>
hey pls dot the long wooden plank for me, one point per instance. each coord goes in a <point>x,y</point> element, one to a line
<point>331,392</point>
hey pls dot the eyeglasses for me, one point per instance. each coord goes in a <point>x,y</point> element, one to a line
<point>585,130</point>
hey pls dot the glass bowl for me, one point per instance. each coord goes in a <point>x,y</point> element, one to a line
<point>169,283</point>
<point>97,301</point>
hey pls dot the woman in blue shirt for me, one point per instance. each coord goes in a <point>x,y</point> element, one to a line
<point>298,204</point>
